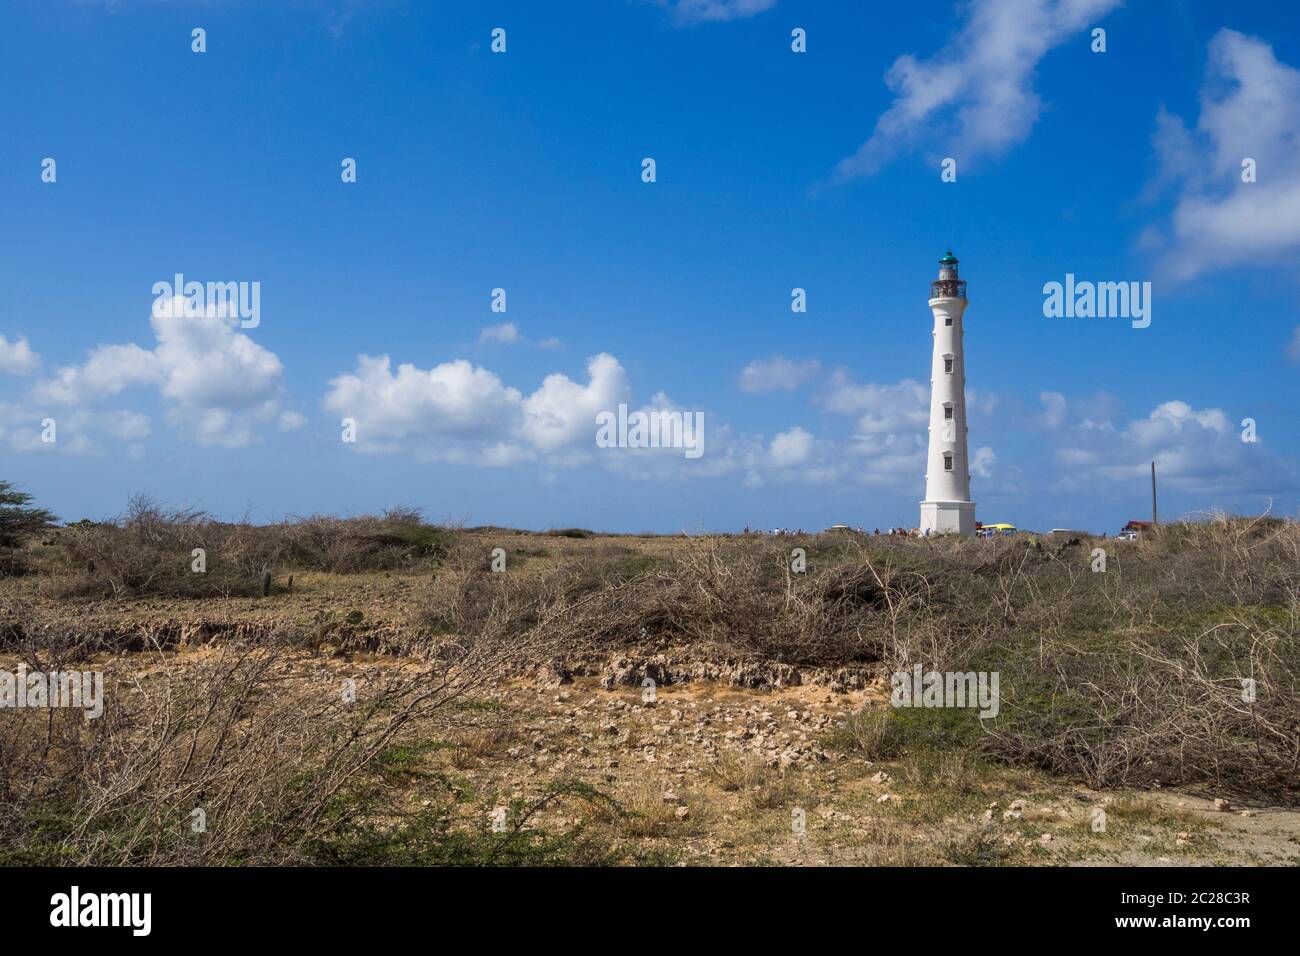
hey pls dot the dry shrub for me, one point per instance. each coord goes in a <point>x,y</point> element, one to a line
<point>1170,711</point>
<point>871,732</point>
<point>399,539</point>
<point>483,743</point>
<point>467,598</point>
<point>729,599</point>
<point>731,772</point>
<point>1136,675</point>
<point>980,847</point>
<point>644,814</point>
<point>780,792</point>
<point>1127,677</point>
<point>948,771</point>
<point>149,550</point>
<point>263,743</point>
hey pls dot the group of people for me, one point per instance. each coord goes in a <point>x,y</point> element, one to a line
<point>898,532</point>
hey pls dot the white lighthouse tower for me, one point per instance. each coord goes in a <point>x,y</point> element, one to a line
<point>947,508</point>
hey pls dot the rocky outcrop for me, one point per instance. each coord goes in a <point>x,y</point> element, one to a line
<point>665,669</point>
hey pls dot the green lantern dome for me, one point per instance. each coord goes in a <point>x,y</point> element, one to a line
<point>948,285</point>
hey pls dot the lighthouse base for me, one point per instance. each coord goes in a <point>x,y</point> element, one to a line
<point>948,517</point>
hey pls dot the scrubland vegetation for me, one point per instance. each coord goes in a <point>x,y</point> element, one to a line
<point>1175,667</point>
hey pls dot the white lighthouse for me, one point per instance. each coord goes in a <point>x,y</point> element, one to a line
<point>947,508</point>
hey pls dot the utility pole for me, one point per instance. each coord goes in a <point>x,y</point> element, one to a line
<point>1153,494</point>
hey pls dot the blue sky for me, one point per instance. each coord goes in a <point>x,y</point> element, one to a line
<point>522,170</point>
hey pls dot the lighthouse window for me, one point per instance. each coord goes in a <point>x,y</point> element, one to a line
<point>947,461</point>
<point>947,412</point>
<point>947,364</point>
<point>947,320</point>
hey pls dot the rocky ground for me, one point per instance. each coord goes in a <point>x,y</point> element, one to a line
<point>717,774</point>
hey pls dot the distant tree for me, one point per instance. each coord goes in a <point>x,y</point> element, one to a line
<point>17,519</point>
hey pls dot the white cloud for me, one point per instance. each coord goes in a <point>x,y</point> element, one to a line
<point>291,421</point>
<point>1171,420</point>
<point>502,455</point>
<point>465,415</point>
<point>1195,450</point>
<point>980,404</point>
<point>1077,457</point>
<point>487,421</point>
<point>127,425</point>
<point>1248,110</point>
<point>778,372</point>
<point>700,11</point>
<point>454,398</point>
<point>975,96</point>
<point>562,411</point>
<point>215,381</point>
<point>207,363</point>
<point>1055,408</point>
<point>23,425</point>
<point>109,370</point>
<point>461,414</point>
<point>507,333</point>
<point>880,409</point>
<point>791,447</point>
<point>17,357</point>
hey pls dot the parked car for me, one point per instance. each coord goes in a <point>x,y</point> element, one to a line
<point>1133,530</point>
